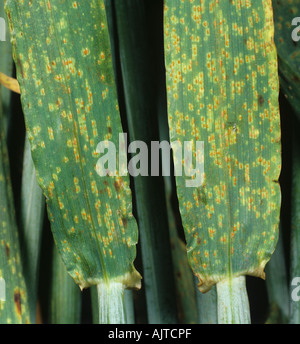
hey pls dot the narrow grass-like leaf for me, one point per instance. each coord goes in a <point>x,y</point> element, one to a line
<point>222,89</point>
<point>183,275</point>
<point>288,49</point>
<point>12,283</point>
<point>65,295</point>
<point>9,83</point>
<point>6,66</point>
<point>31,225</point>
<point>109,9</point>
<point>289,71</point>
<point>207,306</point>
<point>13,304</point>
<point>70,106</point>
<point>277,284</point>
<point>294,316</point>
<point>139,84</point>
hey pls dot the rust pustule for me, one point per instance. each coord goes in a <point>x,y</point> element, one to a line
<point>18,302</point>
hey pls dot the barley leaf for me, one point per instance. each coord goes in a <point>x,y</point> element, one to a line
<point>13,299</point>
<point>12,284</point>
<point>63,59</point>
<point>222,89</point>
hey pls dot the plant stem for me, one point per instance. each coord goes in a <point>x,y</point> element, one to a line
<point>111,303</point>
<point>233,303</point>
<point>129,306</point>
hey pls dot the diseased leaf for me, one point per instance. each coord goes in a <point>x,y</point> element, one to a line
<point>14,308</point>
<point>222,89</point>
<point>12,284</point>
<point>186,297</point>
<point>63,59</point>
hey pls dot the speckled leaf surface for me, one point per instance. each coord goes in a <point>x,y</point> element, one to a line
<point>222,86</point>
<point>64,68</point>
<point>14,309</point>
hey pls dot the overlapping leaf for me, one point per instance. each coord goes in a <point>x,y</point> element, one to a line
<point>6,65</point>
<point>14,306</point>
<point>134,46</point>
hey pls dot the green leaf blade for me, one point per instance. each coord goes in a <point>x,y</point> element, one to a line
<point>70,105</point>
<point>65,296</point>
<point>14,307</point>
<point>288,49</point>
<point>289,72</point>
<point>222,89</point>
<point>136,53</point>
<point>31,228</point>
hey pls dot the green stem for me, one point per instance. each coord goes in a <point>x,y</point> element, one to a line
<point>129,305</point>
<point>233,303</point>
<point>111,303</point>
